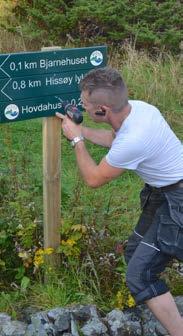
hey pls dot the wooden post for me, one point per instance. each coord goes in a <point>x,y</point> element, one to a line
<point>51,182</point>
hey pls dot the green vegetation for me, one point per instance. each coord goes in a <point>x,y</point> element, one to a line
<point>153,25</point>
<point>95,223</point>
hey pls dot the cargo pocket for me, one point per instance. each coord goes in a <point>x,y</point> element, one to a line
<point>175,203</point>
<point>170,236</point>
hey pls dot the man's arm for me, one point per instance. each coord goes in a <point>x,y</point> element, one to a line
<point>94,175</point>
<point>100,137</point>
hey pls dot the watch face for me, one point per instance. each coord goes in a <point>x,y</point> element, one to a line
<point>76,140</point>
<point>72,143</point>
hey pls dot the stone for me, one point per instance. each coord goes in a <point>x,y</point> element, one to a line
<point>116,320</point>
<point>94,327</point>
<point>145,314</point>
<point>179,303</point>
<point>149,329</point>
<point>148,321</point>
<point>14,328</point>
<point>53,314</point>
<point>26,314</point>
<point>160,330</point>
<point>84,313</point>
<point>86,320</point>
<point>121,323</point>
<point>50,329</point>
<point>74,328</point>
<point>62,322</point>
<point>132,329</point>
<point>32,331</point>
<point>39,319</point>
<point>4,318</point>
<point>40,325</point>
<point>180,268</point>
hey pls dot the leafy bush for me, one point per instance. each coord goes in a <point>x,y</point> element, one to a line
<point>6,9</point>
<point>148,24</point>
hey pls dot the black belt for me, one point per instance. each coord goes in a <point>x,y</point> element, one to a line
<point>170,187</point>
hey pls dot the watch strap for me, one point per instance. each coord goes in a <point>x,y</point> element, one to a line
<point>77,139</point>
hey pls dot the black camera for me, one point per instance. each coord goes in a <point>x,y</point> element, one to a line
<point>73,112</point>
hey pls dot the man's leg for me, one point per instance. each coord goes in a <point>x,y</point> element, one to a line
<point>143,282</point>
<point>165,310</point>
<point>142,278</point>
<point>145,220</point>
<point>147,262</point>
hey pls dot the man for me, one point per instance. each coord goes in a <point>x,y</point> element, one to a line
<point>142,141</point>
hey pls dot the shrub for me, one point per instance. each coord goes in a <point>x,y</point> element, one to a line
<point>148,24</point>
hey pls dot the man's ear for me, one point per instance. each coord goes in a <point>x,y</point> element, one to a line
<point>101,112</point>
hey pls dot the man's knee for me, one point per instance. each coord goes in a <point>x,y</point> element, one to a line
<point>143,285</point>
<point>139,278</point>
<point>134,280</point>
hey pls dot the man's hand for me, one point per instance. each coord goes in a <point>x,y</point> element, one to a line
<point>70,129</point>
<point>94,175</point>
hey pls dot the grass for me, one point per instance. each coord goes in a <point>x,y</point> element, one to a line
<point>109,212</point>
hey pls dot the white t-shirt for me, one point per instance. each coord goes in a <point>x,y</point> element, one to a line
<point>146,144</point>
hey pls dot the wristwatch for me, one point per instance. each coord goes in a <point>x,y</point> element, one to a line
<point>76,140</point>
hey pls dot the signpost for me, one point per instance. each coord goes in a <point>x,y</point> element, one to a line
<point>34,85</point>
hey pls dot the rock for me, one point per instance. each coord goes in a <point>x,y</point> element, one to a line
<point>121,324</point>
<point>38,321</point>
<point>50,329</point>
<point>94,327</point>
<point>179,303</point>
<point>160,330</point>
<point>84,313</point>
<point>40,331</point>
<point>74,328</point>
<point>180,269</point>
<point>40,325</point>
<point>149,329</point>
<point>31,331</point>
<point>148,321</point>
<point>133,323</point>
<point>39,318</point>
<point>87,320</point>
<point>145,313</point>
<point>53,314</point>
<point>26,314</point>
<point>4,318</point>
<point>14,328</point>
<point>62,322</point>
<point>116,319</point>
